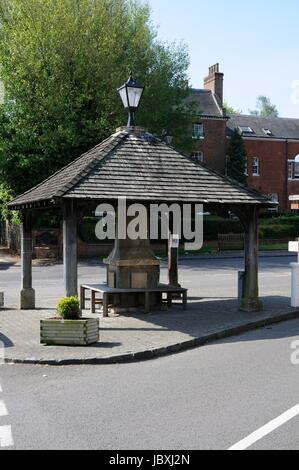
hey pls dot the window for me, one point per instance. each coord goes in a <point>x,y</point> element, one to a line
<point>293,168</point>
<point>256,167</point>
<point>267,132</point>
<point>197,130</point>
<point>246,168</point>
<point>274,197</point>
<point>290,170</point>
<point>245,130</point>
<point>198,156</point>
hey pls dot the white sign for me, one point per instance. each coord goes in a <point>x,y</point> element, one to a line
<point>174,241</point>
<point>293,247</point>
<point>294,198</point>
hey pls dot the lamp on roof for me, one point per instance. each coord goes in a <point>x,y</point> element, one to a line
<point>131,94</point>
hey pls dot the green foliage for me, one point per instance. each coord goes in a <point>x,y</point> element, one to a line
<point>61,62</point>
<point>47,219</point>
<point>6,196</point>
<point>237,156</point>
<point>265,108</point>
<point>275,231</point>
<point>230,111</point>
<point>87,230</point>
<point>289,221</point>
<point>69,308</point>
<point>214,226</point>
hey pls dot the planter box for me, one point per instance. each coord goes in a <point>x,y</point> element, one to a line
<point>82,332</point>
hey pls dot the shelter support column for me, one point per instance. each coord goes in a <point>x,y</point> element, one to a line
<point>27,294</point>
<point>70,257</point>
<point>250,301</point>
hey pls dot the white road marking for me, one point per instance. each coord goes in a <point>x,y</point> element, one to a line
<point>3,409</point>
<point>267,429</point>
<point>6,439</point>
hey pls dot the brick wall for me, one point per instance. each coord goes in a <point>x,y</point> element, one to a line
<point>213,145</point>
<point>273,156</point>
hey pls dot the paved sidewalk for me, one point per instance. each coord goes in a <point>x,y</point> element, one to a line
<point>138,337</point>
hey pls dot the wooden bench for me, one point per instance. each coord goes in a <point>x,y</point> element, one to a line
<point>231,240</point>
<point>108,292</point>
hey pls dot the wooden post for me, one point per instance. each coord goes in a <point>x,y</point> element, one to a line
<point>70,257</point>
<point>27,294</point>
<point>250,301</point>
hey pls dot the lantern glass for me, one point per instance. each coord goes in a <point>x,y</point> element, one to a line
<point>134,95</point>
<point>131,94</point>
<point>124,96</point>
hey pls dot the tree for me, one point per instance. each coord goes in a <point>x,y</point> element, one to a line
<point>265,108</point>
<point>61,62</point>
<point>237,158</point>
<point>6,196</point>
<point>230,111</point>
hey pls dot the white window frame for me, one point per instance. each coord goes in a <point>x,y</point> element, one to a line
<point>198,156</point>
<point>246,168</point>
<point>256,167</point>
<point>246,130</point>
<point>293,169</point>
<point>290,170</point>
<point>197,130</point>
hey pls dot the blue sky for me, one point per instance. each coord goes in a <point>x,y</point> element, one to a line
<point>255,42</point>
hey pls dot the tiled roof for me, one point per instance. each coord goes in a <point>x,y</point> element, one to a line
<point>281,128</point>
<point>205,102</point>
<point>135,164</point>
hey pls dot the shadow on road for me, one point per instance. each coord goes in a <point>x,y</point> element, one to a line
<point>209,316</point>
<point>6,341</point>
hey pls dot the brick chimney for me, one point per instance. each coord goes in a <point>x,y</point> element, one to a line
<point>214,82</point>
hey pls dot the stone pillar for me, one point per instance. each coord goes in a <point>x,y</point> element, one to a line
<point>250,301</point>
<point>27,294</point>
<point>70,257</point>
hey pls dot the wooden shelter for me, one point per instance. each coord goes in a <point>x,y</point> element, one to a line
<point>132,163</point>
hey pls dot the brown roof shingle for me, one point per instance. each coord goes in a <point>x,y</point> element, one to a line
<point>134,164</point>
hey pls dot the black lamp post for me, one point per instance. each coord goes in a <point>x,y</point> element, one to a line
<point>131,94</point>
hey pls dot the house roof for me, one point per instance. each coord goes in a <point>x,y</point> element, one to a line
<point>132,163</point>
<point>281,128</point>
<point>205,102</point>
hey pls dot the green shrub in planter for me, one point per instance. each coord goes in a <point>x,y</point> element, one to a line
<point>69,308</point>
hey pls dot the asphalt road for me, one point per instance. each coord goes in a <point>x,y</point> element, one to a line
<point>203,277</point>
<point>208,398</point>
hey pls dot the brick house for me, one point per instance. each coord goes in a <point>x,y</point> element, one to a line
<point>272,144</point>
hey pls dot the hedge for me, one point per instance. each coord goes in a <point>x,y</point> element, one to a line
<point>87,230</point>
<point>276,232</point>
<point>212,227</point>
<point>276,228</point>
